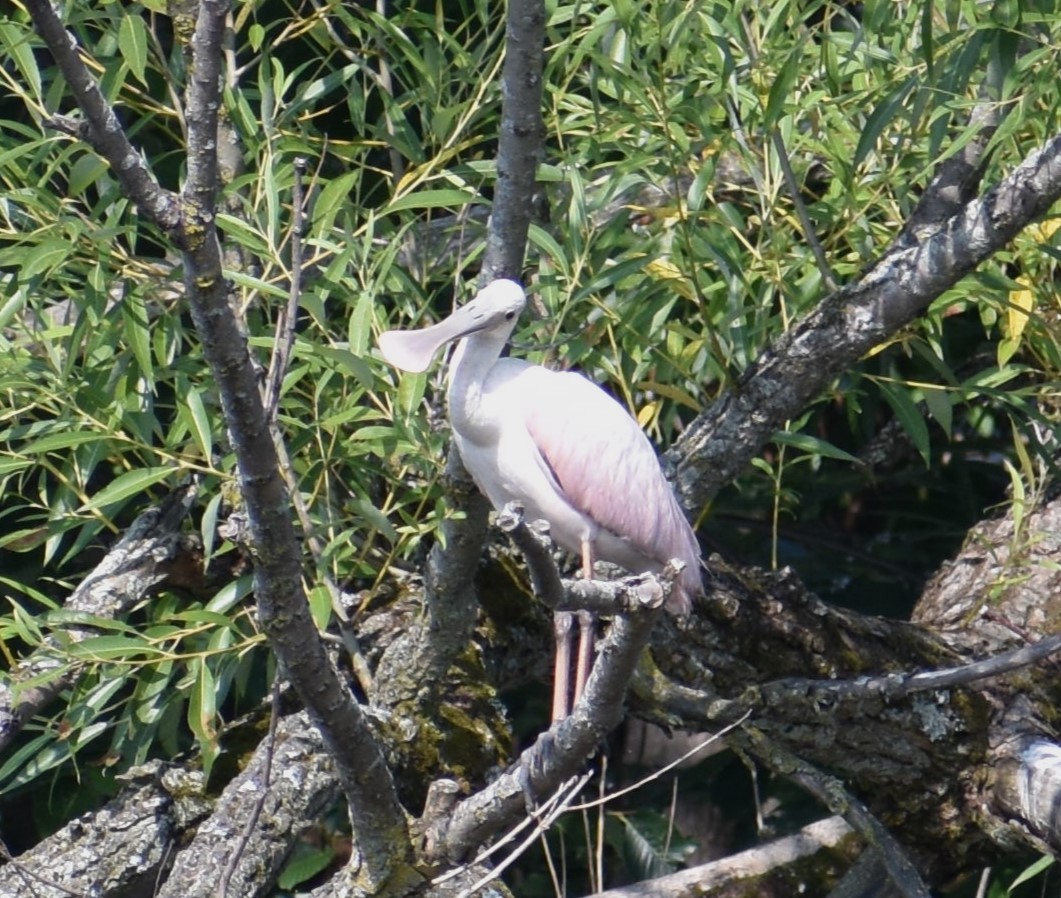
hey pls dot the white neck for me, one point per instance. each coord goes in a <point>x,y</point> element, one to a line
<point>472,360</point>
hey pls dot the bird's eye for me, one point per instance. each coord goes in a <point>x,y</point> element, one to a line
<point>509,316</point>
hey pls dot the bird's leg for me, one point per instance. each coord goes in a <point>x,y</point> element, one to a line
<point>563,628</point>
<point>586,628</point>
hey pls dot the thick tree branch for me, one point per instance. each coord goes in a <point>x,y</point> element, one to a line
<point>376,815</point>
<point>301,789</point>
<point>121,849</point>
<point>850,322</point>
<point>130,571</point>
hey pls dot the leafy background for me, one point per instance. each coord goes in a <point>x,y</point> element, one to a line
<point>668,252</point>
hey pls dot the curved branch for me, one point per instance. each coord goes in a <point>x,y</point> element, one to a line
<point>559,753</point>
<point>853,320</point>
<point>101,129</point>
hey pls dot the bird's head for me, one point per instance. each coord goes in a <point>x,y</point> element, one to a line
<point>494,312</point>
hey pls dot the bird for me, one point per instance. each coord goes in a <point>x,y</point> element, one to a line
<point>560,445</point>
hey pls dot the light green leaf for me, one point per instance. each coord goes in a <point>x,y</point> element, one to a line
<point>450,198</point>
<point>1031,872</point>
<point>132,41</point>
<point>909,416</point>
<point>334,194</point>
<point>198,422</point>
<point>360,330</point>
<point>202,713</point>
<point>304,865</point>
<point>13,38</point>
<point>128,484</point>
<point>813,445</point>
<point>45,256</point>
<point>137,332</point>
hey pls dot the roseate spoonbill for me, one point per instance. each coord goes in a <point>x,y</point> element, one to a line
<point>560,445</point>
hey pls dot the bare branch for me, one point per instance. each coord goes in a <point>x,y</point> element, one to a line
<point>740,871</point>
<point>831,792</point>
<point>521,140</point>
<point>101,128</point>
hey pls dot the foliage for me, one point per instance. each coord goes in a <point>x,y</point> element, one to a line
<point>671,253</point>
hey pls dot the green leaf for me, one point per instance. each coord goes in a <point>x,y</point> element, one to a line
<point>334,194</point>
<point>55,442</point>
<point>137,332</point>
<point>879,119</point>
<point>202,712</point>
<point>129,484</point>
<point>450,198</point>
<point>198,422</point>
<point>1031,872</point>
<point>34,758</point>
<point>132,41</point>
<point>940,408</point>
<point>14,40</point>
<point>110,648</point>
<point>255,36</point>
<point>909,416</point>
<point>47,255</point>
<point>813,445</point>
<point>304,865</point>
<point>360,327</point>
<point>781,89</point>
<point>85,172</point>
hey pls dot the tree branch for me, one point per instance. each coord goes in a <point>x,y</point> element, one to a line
<point>522,137</point>
<point>101,129</point>
<point>740,873</point>
<point>559,753</point>
<point>853,320</point>
<point>136,565</point>
<point>376,816</point>
<point>134,834</point>
<point>305,790</point>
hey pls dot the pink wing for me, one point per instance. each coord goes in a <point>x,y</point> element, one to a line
<point>608,470</point>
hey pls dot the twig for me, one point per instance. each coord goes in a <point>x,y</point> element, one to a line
<point>831,792</point>
<point>529,820</point>
<point>658,774</point>
<point>288,317</point>
<point>537,550</point>
<point>809,234</point>
<point>898,685</point>
<point>542,826</point>
<point>256,812</point>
